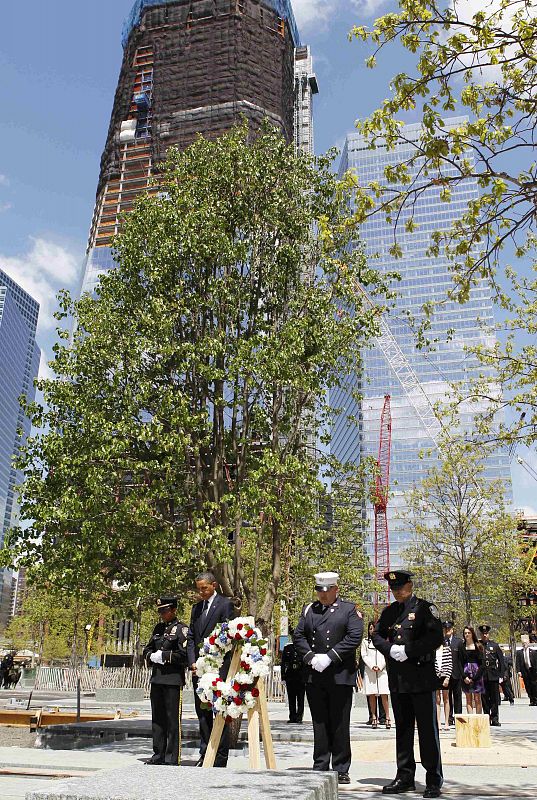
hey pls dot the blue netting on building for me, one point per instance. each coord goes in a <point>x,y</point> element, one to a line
<point>282,7</point>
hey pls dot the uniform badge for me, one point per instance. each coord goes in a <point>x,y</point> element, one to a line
<point>434,611</point>
<point>412,616</point>
<point>392,576</point>
<point>173,630</point>
<point>185,631</point>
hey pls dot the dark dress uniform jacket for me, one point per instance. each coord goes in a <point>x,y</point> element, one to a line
<point>292,665</point>
<point>202,625</point>
<point>417,626</point>
<point>170,637</point>
<point>335,631</point>
<point>494,664</point>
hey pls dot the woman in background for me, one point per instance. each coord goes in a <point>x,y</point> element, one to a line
<point>375,678</point>
<point>444,668</point>
<point>472,664</point>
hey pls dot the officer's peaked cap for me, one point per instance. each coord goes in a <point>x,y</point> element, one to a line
<point>324,580</point>
<point>397,577</point>
<point>484,628</point>
<point>166,602</point>
<point>447,624</point>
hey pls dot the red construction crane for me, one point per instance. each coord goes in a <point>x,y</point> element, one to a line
<point>380,499</point>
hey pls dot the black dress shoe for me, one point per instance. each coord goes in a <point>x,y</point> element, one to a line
<point>398,787</point>
<point>432,791</point>
<point>496,724</point>
<point>155,760</point>
<point>451,721</point>
<point>343,777</point>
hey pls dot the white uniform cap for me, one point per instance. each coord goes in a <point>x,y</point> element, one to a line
<point>324,580</point>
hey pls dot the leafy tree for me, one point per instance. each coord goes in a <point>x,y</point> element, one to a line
<point>478,59</point>
<point>466,552</point>
<point>175,433</point>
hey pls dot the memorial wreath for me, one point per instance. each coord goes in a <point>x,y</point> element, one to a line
<point>230,697</point>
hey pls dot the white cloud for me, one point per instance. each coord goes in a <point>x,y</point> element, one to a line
<point>369,8</point>
<point>4,180</point>
<point>5,207</point>
<point>45,371</point>
<point>313,12</point>
<point>45,269</point>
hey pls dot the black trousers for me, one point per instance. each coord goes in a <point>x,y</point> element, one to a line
<point>455,697</point>
<point>491,700</point>
<point>530,684</point>
<point>330,707</point>
<point>296,691</point>
<point>507,689</point>
<point>166,722</point>
<point>410,710</point>
<point>205,719</point>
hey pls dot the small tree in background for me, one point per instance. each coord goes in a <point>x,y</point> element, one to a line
<point>465,555</point>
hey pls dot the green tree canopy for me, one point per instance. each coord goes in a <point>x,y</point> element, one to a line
<point>177,433</point>
<point>479,61</point>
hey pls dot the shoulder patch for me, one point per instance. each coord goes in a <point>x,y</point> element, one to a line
<point>434,611</point>
<point>307,608</point>
<point>173,630</point>
<point>185,631</point>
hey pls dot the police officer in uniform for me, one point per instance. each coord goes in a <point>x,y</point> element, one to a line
<point>293,676</point>
<point>493,672</point>
<point>326,637</point>
<point>166,654</point>
<point>407,634</point>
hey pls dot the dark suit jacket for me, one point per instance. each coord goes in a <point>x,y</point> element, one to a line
<point>336,632</point>
<point>455,643</point>
<point>521,662</point>
<point>221,610</point>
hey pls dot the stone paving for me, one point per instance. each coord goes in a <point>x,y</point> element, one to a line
<point>508,769</point>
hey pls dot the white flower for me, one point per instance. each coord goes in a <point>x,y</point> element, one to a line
<point>234,711</point>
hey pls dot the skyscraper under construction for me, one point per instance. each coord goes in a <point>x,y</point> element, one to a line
<point>189,67</point>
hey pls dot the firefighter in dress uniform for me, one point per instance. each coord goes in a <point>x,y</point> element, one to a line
<point>327,636</point>
<point>166,654</point>
<point>493,672</point>
<point>407,634</point>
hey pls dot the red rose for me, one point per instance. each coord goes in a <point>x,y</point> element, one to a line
<point>237,686</point>
<point>238,636</point>
<point>263,651</point>
<point>212,639</point>
<point>215,683</point>
<point>218,693</point>
<point>237,701</point>
<point>255,692</point>
<point>240,626</point>
<point>249,633</point>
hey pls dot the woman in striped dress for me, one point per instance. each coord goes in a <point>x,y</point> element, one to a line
<point>444,668</point>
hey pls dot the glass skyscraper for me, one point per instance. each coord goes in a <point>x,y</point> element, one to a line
<point>19,359</point>
<point>423,279</point>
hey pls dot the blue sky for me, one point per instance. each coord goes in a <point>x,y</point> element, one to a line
<point>59,63</point>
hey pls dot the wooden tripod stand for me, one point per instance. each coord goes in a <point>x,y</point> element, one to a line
<point>258,717</point>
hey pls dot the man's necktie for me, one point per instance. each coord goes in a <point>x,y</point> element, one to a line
<point>205,607</point>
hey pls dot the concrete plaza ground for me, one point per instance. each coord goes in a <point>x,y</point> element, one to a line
<point>508,769</point>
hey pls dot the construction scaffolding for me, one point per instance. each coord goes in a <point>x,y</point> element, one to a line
<point>305,87</point>
<point>283,8</point>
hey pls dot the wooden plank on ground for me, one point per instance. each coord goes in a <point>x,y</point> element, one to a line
<point>472,730</point>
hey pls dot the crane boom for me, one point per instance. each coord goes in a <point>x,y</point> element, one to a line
<point>382,488</point>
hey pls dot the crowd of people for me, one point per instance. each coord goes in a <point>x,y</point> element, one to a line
<point>409,661</point>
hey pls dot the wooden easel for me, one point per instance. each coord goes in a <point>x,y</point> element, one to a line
<point>258,717</point>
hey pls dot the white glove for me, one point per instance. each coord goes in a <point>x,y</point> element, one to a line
<point>322,662</point>
<point>397,652</point>
<point>156,658</point>
<point>314,663</point>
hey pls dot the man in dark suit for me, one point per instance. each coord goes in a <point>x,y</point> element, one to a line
<point>326,637</point>
<point>493,672</point>
<point>211,609</point>
<point>408,634</point>
<point>526,667</point>
<point>166,654</point>
<point>455,682</point>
